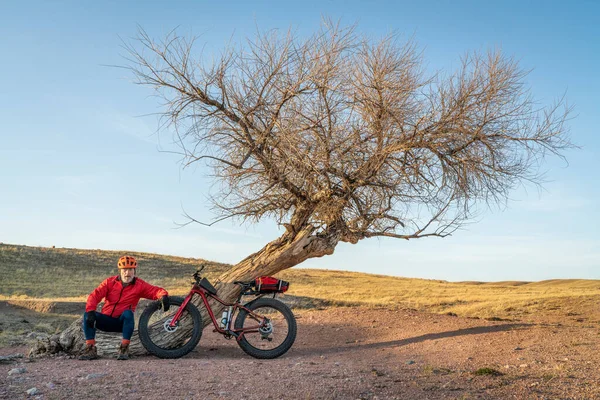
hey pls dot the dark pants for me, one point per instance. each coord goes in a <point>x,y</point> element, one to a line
<point>124,324</point>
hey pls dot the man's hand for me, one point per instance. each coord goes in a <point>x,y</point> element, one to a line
<point>165,302</point>
<point>91,319</point>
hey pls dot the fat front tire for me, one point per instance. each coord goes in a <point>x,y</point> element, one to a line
<point>273,340</point>
<point>166,342</point>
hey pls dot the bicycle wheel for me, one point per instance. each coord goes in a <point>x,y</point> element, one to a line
<point>170,342</point>
<point>276,337</point>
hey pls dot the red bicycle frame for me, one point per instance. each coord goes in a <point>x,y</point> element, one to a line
<point>205,294</point>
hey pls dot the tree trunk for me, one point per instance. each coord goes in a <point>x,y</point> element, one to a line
<point>287,251</point>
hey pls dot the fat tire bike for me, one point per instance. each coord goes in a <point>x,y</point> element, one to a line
<point>263,327</point>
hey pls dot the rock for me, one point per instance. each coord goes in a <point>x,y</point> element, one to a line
<point>10,358</point>
<point>50,385</point>
<point>96,375</point>
<point>38,335</point>
<point>15,371</point>
<point>33,391</point>
<point>410,362</point>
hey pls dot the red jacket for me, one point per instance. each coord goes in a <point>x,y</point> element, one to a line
<point>119,298</point>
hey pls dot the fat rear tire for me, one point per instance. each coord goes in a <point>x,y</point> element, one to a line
<point>276,310</point>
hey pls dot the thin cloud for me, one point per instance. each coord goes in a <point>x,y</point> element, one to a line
<point>134,127</point>
<point>556,197</point>
<point>74,180</point>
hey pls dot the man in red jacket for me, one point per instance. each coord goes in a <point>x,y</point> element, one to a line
<point>121,294</point>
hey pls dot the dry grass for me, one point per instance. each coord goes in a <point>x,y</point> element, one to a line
<point>70,274</point>
<point>494,299</point>
<point>39,272</point>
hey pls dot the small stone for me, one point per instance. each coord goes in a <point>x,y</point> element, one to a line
<point>523,366</point>
<point>32,392</point>
<point>50,385</point>
<point>410,362</point>
<point>95,375</point>
<point>15,371</point>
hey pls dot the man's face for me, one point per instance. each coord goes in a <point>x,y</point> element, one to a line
<point>127,274</point>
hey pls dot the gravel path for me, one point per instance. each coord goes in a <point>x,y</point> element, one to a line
<point>345,353</point>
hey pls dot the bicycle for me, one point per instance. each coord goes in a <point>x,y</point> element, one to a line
<point>264,327</point>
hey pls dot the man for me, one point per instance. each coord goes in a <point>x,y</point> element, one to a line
<point>121,294</point>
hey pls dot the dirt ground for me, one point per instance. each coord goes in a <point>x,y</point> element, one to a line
<point>346,353</point>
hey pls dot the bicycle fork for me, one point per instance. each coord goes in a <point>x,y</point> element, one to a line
<point>175,319</point>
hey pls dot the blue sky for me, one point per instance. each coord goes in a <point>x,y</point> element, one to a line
<point>80,165</point>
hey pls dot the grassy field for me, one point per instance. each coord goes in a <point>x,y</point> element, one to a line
<point>472,299</point>
<point>49,273</point>
<point>70,274</point>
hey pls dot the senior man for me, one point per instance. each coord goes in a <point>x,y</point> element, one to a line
<point>121,294</point>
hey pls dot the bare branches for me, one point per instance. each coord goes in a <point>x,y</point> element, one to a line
<point>347,135</point>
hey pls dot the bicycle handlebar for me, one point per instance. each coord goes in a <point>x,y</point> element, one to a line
<point>197,276</point>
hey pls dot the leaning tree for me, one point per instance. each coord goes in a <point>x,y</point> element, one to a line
<point>339,137</point>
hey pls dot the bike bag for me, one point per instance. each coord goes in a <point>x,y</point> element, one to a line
<point>268,284</point>
<point>206,285</point>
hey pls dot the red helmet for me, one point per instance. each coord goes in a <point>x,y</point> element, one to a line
<point>127,262</point>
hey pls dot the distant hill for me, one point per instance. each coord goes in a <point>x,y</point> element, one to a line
<point>62,273</point>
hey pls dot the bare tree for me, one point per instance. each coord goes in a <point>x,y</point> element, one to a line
<point>339,137</point>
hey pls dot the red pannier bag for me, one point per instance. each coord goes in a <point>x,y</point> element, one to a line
<point>268,284</point>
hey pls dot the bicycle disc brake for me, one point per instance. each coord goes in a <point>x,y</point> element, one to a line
<point>167,326</point>
<point>266,330</point>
